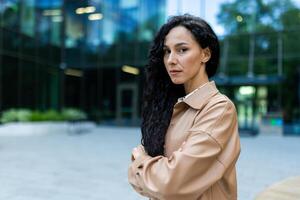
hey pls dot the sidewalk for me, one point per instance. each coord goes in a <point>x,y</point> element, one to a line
<point>93,166</point>
<point>286,190</point>
<point>264,161</point>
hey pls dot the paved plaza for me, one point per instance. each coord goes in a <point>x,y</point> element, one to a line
<point>93,166</point>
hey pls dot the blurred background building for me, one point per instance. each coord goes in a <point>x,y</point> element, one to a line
<point>90,55</point>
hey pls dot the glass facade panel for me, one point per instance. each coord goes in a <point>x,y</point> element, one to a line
<point>10,92</point>
<point>27,17</point>
<point>10,11</point>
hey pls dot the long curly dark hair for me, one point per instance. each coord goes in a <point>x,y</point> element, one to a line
<point>160,94</point>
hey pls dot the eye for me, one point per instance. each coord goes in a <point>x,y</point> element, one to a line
<point>167,51</point>
<point>182,50</point>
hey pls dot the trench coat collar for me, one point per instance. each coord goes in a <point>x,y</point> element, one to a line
<point>199,96</point>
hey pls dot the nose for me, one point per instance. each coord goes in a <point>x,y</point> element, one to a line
<point>171,60</point>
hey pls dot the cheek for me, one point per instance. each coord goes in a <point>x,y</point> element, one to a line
<point>166,68</point>
<point>195,59</point>
<point>191,62</point>
<point>192,68</point>
<point>165,63</point>
<point>190,58</point>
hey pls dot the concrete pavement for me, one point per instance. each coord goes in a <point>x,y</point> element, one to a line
<point>266,160</point>
<point>288,189</point>
<point>62,166</point>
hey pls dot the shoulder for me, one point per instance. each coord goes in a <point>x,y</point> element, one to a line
<point>221,103</point>
<point>219,111</point>
<point>218,119</point>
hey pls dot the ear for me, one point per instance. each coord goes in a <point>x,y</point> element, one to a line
<point>206,54</point>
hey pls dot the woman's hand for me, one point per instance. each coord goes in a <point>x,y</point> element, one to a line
<point>137,152</point>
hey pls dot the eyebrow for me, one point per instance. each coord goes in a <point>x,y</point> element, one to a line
<point>177,44</point>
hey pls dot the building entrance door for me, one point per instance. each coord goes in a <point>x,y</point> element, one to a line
<point>245,100</point>
<point>127,104</point>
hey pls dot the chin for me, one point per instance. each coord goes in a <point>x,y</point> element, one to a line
<point>177,82</point>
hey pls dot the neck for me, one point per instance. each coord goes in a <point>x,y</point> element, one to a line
<point>192,85</point>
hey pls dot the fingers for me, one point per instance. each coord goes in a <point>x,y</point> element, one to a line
<point>132,158</point>
<point>137,152</point>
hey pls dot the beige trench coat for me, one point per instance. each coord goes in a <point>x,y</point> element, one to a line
<point>201,150</point>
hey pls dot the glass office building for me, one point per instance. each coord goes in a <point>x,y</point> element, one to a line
<point>90,55</point>
<point>82,54</point>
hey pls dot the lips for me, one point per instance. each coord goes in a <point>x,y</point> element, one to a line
<point>174,72</point>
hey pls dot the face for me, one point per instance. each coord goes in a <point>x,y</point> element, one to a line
<point>184,59</point>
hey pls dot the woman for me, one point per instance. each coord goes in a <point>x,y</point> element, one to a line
<point>190,140</point>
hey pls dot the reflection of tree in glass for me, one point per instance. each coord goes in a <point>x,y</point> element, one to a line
<point>273,24</point>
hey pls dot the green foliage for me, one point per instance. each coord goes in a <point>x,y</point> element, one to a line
<point>291,18</point>
<point>252,16</point>
<point>25,115</point>
<point>52,115</point>
<point>73,114</point>
<point>37,116</point>
<point>13,115</point>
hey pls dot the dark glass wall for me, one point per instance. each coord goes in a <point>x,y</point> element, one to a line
<point>68,53</point>
<point>28,55</point>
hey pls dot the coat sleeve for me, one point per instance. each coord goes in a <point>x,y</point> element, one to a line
<point>195,166</point>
